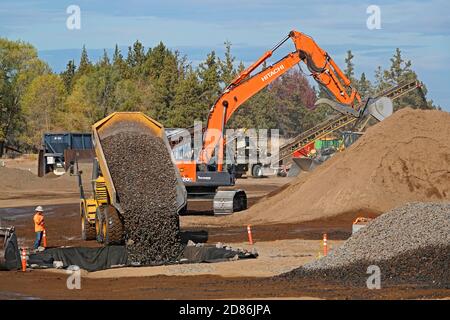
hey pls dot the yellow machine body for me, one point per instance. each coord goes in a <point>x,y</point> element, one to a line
<point>90,207</point>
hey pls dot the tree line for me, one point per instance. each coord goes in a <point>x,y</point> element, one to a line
<point>163,84</point>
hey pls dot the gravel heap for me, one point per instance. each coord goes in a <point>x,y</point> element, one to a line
<point>410,244</point>
<point>145,181</point>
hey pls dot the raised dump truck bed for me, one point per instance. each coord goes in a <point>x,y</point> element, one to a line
<point>102,214</point>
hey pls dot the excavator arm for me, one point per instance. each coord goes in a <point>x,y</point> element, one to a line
<point>322,67</point>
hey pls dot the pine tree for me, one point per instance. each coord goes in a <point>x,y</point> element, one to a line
<point>240,68</point>
<point>380,81</point>
<point>399,68</point>
<point>154,61</point>
<point>364,87</point>
<point>164,87</point>
<point>136,58</point>
<point>138,53</point>
<point>208,72</point>
<point>119,65</point>
<point>68,75</point>
<point>117,56</point>
<point>85,65</point>
<point>400,72</point>
<point>186,107</point>
<point>227,70</point>
<point>130,59</point>
<point>104,61</point>
<point>349,66</point>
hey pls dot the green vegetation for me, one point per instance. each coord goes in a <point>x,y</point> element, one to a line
<point>161,83</point>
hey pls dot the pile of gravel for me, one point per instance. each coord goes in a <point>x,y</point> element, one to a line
<point>410,244</point>
<point>145,181</point>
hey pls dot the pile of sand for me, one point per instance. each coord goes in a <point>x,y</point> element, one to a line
<point>402,159</point>
<point>17,181</point>
<point>12,179</point>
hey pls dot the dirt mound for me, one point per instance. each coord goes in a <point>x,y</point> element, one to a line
<point>402,159</point>
<point>410,244</point>
<point>12,179</point>
<point>145,180</point>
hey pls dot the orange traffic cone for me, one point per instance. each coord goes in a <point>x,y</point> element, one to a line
<point>249,232</point>
<point>325,244</point>
<point>24,260</point>
<point>44,238</point>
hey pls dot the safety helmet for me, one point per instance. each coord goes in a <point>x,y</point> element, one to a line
<point>39,209</point>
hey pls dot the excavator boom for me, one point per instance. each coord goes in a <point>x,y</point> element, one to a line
<point>203,176</point>
<point>322,67</point>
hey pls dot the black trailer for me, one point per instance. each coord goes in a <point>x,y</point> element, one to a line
<point>55,147</point>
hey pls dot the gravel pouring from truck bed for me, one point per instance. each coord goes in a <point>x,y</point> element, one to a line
<point>145,181</point>
<point>410,244</point>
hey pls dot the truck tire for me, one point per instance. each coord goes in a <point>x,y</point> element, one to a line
<point>257,171</point>
<point>113,226</point>
<point>87,229</point>
<point>99,225</point>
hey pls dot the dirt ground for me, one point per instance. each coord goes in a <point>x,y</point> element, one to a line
<point>47,285</point>
<point>281,247</point>
<point>246,279</point>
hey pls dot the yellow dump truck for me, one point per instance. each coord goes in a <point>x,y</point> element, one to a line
<point>101,214</point>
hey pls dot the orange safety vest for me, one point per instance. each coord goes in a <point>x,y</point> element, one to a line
<point>38,222</point>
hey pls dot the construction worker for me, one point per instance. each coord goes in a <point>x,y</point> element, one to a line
<point>39,225</point>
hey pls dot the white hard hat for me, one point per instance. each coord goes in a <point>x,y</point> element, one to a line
<point>39,209</point>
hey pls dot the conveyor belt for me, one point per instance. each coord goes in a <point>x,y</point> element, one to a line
<point>329,126</point>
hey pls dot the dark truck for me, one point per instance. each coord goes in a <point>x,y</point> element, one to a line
<point>58,149</point>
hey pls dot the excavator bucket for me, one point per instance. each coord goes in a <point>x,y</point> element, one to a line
<point>381,108</point>
<point>340,107</point>
<point>305,164</point>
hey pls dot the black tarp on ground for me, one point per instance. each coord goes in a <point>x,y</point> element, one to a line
<point>195,254</point>
<point>90,259</point>
<point>95,259</point>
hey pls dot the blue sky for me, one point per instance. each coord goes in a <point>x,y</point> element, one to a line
<point>421,29</point>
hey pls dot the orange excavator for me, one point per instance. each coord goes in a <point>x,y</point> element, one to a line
<point>204,175</point>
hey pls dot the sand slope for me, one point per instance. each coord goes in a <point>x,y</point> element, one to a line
<point>405,158</point>
<point>23,188</point>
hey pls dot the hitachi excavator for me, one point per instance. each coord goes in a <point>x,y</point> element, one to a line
<point>203,176</point>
